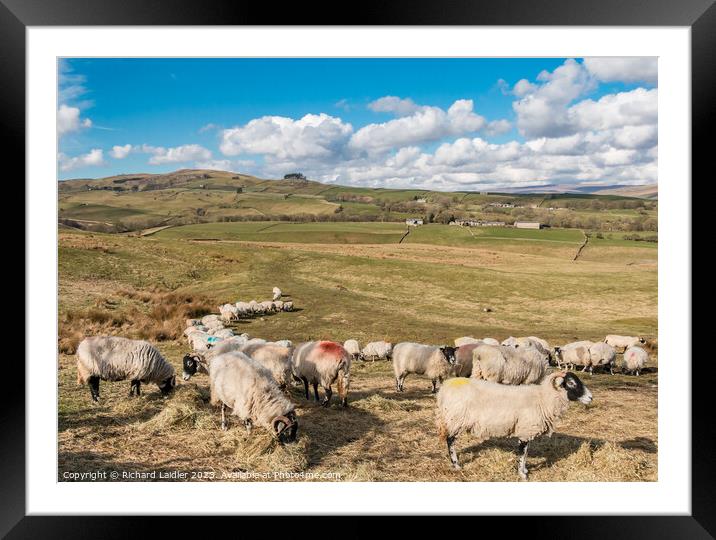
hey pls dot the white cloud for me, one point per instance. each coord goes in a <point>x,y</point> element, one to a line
<point>395,105</point>
<point>208,127</point>
<point>624,69</point>
<point>120,152</point>
<point>93,158</point>
<point>68,120</point>
<point>178,154</point>
<point>636,108</point>
<point>314,135</point>
<point>424,125</point>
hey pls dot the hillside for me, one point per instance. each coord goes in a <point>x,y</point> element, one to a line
<point>139,201</point>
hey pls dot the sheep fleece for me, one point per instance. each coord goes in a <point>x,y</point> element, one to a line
<point>117,359</point>
<point>507,365</point>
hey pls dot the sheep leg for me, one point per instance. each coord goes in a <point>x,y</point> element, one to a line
<point>305,386</point>
<point>315,391</point>
<point>327,397</point>
<point>224,427</point>
<point>134,388</point>
<point>93,383</point>
<point>522,467</point>
<point>248,425</point>
<point>399,383</point>
<point>452,453</point>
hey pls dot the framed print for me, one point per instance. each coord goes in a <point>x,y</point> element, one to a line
<point>425,262</point>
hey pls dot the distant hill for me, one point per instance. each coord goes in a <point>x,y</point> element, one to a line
<point>649,191</point>
<point>138,201</point>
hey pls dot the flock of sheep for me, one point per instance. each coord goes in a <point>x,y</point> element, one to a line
<point>484,387</point>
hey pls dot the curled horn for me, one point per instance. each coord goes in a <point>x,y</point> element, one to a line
<point>279,419</point>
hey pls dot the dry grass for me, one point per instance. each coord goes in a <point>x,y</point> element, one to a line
<point>347,292</point>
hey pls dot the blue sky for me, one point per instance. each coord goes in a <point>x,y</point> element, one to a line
<point>440,123</point>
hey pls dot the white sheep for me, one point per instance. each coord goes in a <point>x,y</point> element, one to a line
<point>323,362</point>
<point>223,333</point>
<point>353,348</point>
<point>634,359</point>
<point>243,309</point>
<point>277,293</point>
<point>288,306</point>
<point>267,306</point>
<point>229,312</point>
<point>622,343</point>
<point>206,319</point>
<point>490,341</point>
<point>377,350</point>
<point>429,360</point>
<point>201,341</point>
<point>573,354</point>
<point>601,354</point>
<point>200,360</point>
<point>111,358</point>
<point>277,305</point>
<point>250,391</point>
<point>508,365</point>
<point>487,410</point>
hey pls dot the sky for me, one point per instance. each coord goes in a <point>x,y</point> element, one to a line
<point>441,123</point>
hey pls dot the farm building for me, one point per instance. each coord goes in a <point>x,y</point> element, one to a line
<point>475,223</point>
<point>528,225</point>
<point>492,223</point>
<point>502,205</point>
<point>413,221</point>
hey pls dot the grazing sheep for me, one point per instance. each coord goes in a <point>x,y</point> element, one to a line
<point>267,306</point>
<point>573,354</point>
<point>540,344</point>
<point>200,360</point>
<point>243,308</point>
<point>507,365</point>
<point>255,307</point>
<point>466,340</point>
<point>323,362</point>
<point>487,409</point>
<point>634,360</point>
<point>463,359</point>
<point>377,350</point>
<point>229,312</point>
<point>284,343</point>
<point>432,361</point>
<point>201,341</point>
<point>277,294</point>
<point>111,358</point>
<point>191,329</point>
<point>275,358</point>
<point>288,306</point>
<point>250,391</point>
<point>277,305</point>
<point>509,342</point>
<point>353,348</point>
<point>601,354</point>
<point>490,341</point>
<point>622,343</point>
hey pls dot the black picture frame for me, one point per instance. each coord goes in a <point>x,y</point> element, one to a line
<point>699,15</point>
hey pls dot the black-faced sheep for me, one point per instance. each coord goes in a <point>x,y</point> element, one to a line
<point>111,358</point>
<point>429,360</point>
<point>487,410</point>
<point>250,391</point>
<point>323,362</point>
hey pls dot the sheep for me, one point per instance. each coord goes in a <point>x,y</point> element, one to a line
<point>622,343</point>
<point>199,360</point>
<point>111,358</point>
<point>267,306</point>
<point>224,333</point>
<point>283,343</point>
<point>192,322</point>
<point>243,308</point>
<point>634,359</point>
<point>229,312</point>
<point>463,359</point>
<point>353,348</point>
<point>215,324</point>
<point>507,365</point>
<point>377,350</point>
<point>277,305</point>
<point>466,340</point>
<point>277,294</point>
<point>601,354</point>
<point>191,329</point>
<point>488,409</point>
<point>201,341</point>
<point>490,341</point>
<point>573,354</point>
<point>255,307</point>
<point>540,344</point>
<point>249,390</point>
<point>275,358</point>
<point>323,362</point>
<point>435,362</point>
<point>288,306</point>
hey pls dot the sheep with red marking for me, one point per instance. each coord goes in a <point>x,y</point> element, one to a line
<point>324,363</point>
<point>634,360</point>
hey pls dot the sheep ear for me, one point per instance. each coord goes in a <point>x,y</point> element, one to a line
<point>558,381</point>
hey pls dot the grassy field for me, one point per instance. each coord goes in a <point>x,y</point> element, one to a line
<point>354,280</point>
